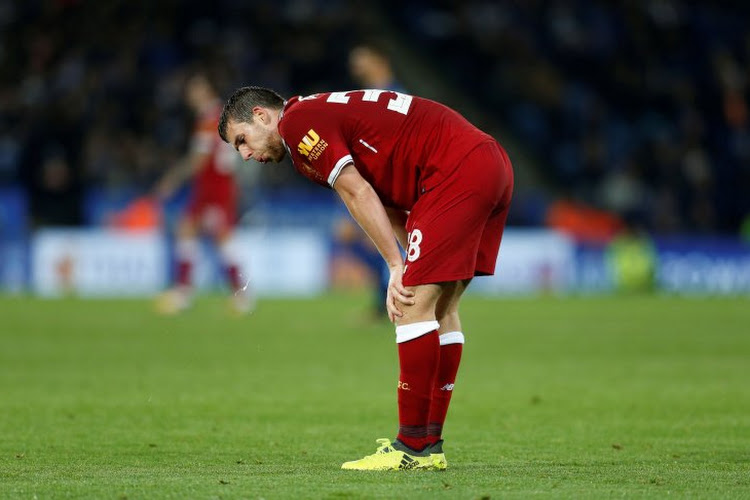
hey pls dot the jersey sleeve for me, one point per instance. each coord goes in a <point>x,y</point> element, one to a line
<point>317,144</point>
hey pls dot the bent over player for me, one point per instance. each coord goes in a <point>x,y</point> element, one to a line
<point>412,168</point>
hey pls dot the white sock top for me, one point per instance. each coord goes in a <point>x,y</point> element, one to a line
<point>452,338</point>
<point>404,333</point>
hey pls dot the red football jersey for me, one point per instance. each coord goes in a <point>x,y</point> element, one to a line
<point>401,144</point>
<point>214,181</point>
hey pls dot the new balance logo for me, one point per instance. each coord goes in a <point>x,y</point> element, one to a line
<point>447,387</point>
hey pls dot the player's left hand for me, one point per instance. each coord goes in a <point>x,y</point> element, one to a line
<point>397,293</point>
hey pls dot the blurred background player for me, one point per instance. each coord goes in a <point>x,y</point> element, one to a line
<point>211,211</point>
<point>370,67</point>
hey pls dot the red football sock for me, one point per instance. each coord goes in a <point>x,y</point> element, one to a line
<point>418,354</point>
<point>187,251</point>
<point>451,347</point>
<point>184,273</point>
<point>233,276</point>
<point>230,259</point>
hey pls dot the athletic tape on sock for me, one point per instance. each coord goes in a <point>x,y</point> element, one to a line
<point>452,338</point>
<point>404,333</point>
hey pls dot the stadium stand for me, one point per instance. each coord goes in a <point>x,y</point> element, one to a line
<point>636,108</point>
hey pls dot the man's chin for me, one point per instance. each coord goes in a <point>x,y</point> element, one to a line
<point>280,157</point>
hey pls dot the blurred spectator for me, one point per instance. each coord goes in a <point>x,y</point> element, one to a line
<point>633,106</point>
<point>53,185</point>
<point>632,258</point>
<point>584,223</point>
<point>370,67</point>
<point>99,82</point>
<point>629,106</point>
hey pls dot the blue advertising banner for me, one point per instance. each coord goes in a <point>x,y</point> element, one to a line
<point>14,253</point>
<point>96,262</point>
<point>679,265</point>
<point>703,266</point>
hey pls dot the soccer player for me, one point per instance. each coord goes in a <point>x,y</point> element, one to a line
<point>213,204</point>
<point>412,168</point>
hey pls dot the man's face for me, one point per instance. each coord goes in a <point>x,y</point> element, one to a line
<point>259,140</point>
<point>365,66</point>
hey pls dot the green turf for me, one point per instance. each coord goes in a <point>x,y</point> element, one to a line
<point>576,397</point>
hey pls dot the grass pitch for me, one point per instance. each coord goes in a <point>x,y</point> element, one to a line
<point>574,397</point>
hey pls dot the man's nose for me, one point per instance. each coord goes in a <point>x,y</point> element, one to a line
<point>245,152</point>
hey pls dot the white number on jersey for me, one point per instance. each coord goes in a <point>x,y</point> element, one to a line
<point>339,97</point>
<point>399,104</point>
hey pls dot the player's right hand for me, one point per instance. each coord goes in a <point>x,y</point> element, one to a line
<point>397,293</point>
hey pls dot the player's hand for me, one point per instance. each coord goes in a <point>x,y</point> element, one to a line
<point>397,294</point>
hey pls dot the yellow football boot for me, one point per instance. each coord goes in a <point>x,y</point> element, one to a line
<point>392,456</point>
<point>173,301</point>
<point>438,457</point>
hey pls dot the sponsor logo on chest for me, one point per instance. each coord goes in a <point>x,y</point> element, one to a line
<point>311,145</point>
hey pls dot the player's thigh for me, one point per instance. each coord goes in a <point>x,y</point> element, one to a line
<point>217,219</point>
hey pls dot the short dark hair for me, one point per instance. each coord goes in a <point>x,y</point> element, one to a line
<point>209,78</point>
<point>375,46</point>
<point>239,107</point>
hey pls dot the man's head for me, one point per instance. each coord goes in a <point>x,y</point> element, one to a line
<point>199,91</point>
<point>249,122</point>
<point>370,66</point>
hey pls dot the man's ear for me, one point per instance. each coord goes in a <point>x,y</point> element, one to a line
<point>261,114</point>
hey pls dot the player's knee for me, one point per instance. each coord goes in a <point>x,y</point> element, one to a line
<point>448,302</point>
<point>449,322</point>
<point>447,315</point>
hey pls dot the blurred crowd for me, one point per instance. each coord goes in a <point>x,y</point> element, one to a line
<point>639,107</point>
<point>636,107</point>
<point>91,93</point>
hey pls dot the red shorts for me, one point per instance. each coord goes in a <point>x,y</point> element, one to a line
<point>455,228</point>
<point>213,215</point>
